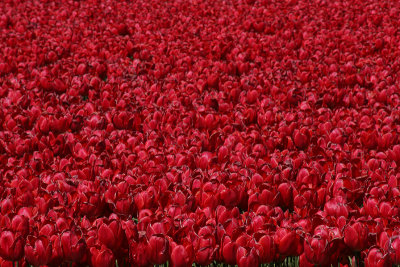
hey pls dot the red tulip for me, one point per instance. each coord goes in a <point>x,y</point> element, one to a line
<point>112,235</point>
<point>205,249</point>
<point>159,249</point>
<point>81,69</point>
<point>140,253</point>
<point>11,246</point>
<point>73,247</point>
<point>205,160</point>
<point>57,253</point>
<point>180,257</point>
<point>336,136</point>
<point>229,249</point>
<point>288,242</point>
<point>301,138</point>
<point>394,249</point>
<point>386,209</point>
<point>6,206</point>
<point>223,154</point>
<point>316,250</point>
<point>38,251</point>
<point>247,257</point>
<point>303,262</point>
<point>376,258</point>
<point>209,121</point>
<point>102,257</point>
<point>286,191</point>
<point>20,224</point>
<point>268,249</point>
<point>212,81</point>
<point>355,236</point>
<point>336,207</point>
<point>371,207</point>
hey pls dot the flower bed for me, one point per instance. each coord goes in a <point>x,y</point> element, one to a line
<point>140,133</point>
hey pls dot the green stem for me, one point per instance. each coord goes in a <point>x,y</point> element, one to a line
<point>358,259</point>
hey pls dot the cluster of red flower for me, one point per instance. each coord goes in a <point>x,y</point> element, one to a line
<point>224,131</point>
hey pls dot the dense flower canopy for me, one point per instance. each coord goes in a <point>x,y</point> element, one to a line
<point>226,131</point>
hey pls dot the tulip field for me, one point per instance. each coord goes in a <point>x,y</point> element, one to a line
<point>199,133</point>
